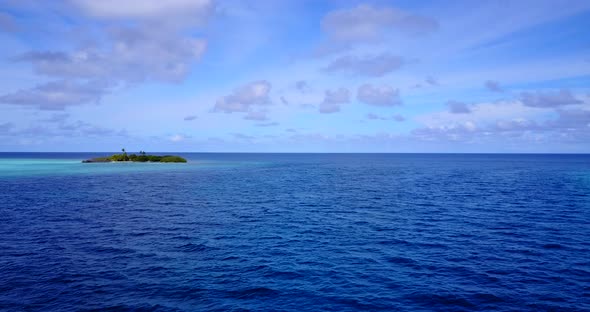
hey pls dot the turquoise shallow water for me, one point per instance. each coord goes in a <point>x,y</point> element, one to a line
<point>44,167</point>
<point>296,232</point>
<point>48,164</point>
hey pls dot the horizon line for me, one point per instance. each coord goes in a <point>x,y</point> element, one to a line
<point>424,153</point>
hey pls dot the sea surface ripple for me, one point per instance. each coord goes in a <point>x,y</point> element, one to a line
<point>297,232</point>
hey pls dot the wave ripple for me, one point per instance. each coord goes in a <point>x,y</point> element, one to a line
<point>302,233</point>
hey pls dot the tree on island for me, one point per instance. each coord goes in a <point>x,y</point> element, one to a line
<point>125,158</point>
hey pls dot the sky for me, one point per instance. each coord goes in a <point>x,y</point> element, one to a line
<point>295,76</point>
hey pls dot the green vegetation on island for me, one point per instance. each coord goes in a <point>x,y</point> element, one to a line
<point>142,157</point>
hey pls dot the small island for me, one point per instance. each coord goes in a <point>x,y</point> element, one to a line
<point>142,157</point>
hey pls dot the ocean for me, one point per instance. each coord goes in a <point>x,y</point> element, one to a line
<point>296,232</point>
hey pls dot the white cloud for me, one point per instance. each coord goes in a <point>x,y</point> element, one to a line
<point>398,118</point>
<point>284,100</point>
<point>134,54</point>
<point>493,86</point>
<point>302,86</point>
<point>141,9</point>
<point>177,138</point>
<point>267,124</point>
<point>378,95</point>
<point>365,23</point>
<point>122,52</point>
<point>333,100</point>
<point>5,127</point>
<point>370,65</point>
<point>61,128</point>
<point>548,99</point>
<point>456,107</point>
<point>7,23</point>
<point>242,99</point>
<point>431,81</point>
<point>57,95</point>
<point>482,113</point>
<point>509,120</point>
<point>256,115</point>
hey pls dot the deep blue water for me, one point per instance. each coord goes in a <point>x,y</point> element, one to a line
<point>296,232</point>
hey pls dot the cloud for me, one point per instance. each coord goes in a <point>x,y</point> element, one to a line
<point>373,66</point>
<point>7,23</point>
<point>242,136</point>
<point>493,86</point>
<point>146,9</point>
<point>571,125</point>
<point>190,118</point>
<point>56,118</point>
<point>135,49</point>
<point>429,81</point>
<point>145,53</point>
<point>57,125</point>
<point>398,118</point>
<point>284,100</point>
<point>302,86</point>
<point>5,127</point>
<point>572,119</point>
<point>80,64</point>
<point>452,132</point>
<point>58,95</point>
<point>267,124</point>
<point>64,129</point>
<point>516,124</point>
<point>86,129</point>
<point>547,99</point>
<point>77,128</point>
<point>333,100</point>
<point>484,113</point>
<point>378,95</point>
<point>256,115</point>
<point>365,23</point>
<point>244,98</point>
<point>432,81</point>
<point>374,117</point>
<point>178,138</point>
<point>456,107</point>
<point>507,123</point>
<point>133,54</point>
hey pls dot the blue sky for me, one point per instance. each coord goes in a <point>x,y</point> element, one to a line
<point>295,76</point>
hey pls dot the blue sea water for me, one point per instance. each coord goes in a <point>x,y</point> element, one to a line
<point>296,232</point>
